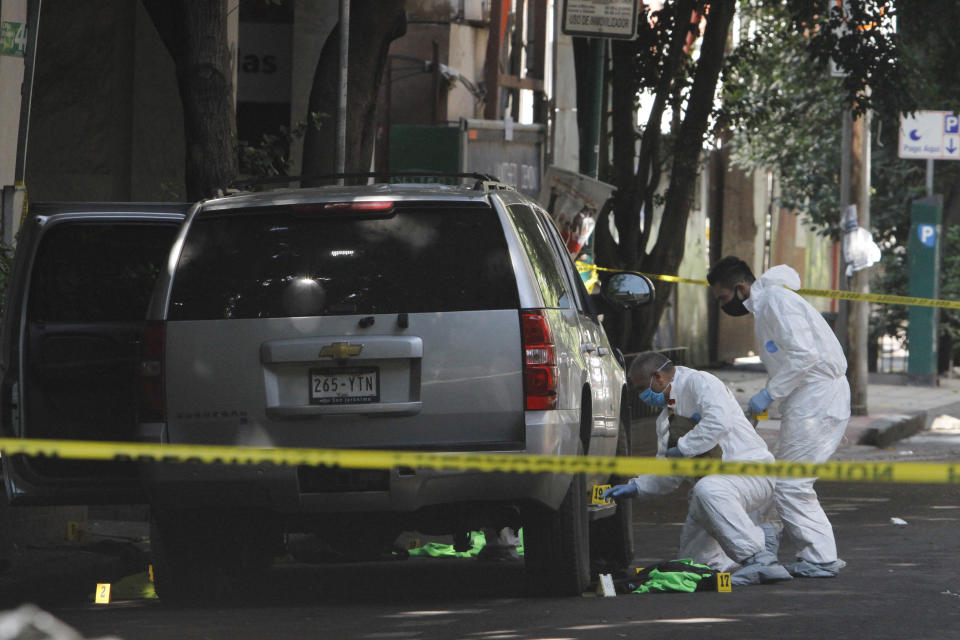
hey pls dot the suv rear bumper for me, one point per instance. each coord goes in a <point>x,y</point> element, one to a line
<point>293,490</point>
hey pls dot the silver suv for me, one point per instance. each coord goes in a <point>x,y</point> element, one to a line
<point>390,316</point>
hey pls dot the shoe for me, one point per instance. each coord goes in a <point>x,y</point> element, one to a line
<point>759,574</point>
<point>760,568</point>
<point>806,569</point>
<point>498,553</point>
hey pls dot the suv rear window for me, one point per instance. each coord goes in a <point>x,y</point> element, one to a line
<point>281,262</point>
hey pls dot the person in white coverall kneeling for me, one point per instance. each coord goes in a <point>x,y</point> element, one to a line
<point>718,532</point>
<point>806,372</point>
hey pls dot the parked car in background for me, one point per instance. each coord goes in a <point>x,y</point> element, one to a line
<point>389,316</point>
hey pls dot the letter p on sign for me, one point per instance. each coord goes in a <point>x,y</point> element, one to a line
<point>951,124</point>
<point>928,234</point>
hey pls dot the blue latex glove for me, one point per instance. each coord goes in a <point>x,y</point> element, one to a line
<point>674,452</point>
<point>760,402</point>
<point>696,417</point>
<point>621,491</point>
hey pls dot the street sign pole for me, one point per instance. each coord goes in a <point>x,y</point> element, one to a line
<point>598,21</point>
<point>926,135</point>
<point>590,162</point>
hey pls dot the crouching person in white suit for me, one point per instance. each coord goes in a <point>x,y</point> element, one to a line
<point>719,531</point>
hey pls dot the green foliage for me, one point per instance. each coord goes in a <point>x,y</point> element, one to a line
<point>271,156</point>
<point>653,42</point>
<point>861,38</point>
<point>950,283</point>
<point>930,50</point>
<point>785,111</point>
<point>785,114</point>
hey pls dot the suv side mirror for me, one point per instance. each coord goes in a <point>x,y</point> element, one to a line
<point>627,290</point>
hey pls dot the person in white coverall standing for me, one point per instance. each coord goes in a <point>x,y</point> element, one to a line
<point>806,371</point>
<point>719,531</point>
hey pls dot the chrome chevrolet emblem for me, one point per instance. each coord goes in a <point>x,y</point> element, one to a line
<point>340,350</point>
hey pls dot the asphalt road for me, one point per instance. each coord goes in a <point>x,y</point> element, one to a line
<point>902,581</point>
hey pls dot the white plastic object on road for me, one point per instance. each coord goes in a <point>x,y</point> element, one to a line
<point>605,586</point>
<point>900,522</point>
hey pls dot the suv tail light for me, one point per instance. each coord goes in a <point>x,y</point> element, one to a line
<point>151,372</point>
<point>539,361</point>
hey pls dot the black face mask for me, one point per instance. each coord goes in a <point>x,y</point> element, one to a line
<point>735,306</point>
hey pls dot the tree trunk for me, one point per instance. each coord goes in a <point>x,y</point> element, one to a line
<point>667,253</point>
<point>638,177</point>
<point>374,25</point>
<point>195,34</point>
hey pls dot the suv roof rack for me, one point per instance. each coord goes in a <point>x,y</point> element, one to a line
<point>482,181</point>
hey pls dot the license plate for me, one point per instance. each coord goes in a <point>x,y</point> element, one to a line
<point>351,385</point>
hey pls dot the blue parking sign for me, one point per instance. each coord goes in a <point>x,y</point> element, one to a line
<point>951,124</point>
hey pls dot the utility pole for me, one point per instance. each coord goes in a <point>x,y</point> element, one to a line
<point>853,324</point>
<point>858,319</point>
<point>853,321</point>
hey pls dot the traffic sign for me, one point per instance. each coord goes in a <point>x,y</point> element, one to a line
<point>933,135</point>
<point>601,18</point>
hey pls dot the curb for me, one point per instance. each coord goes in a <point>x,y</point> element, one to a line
<point>887,429</point>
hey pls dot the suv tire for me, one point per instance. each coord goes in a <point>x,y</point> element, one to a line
<point>203,556</point>
<point>611,538</point>
<point>557,544</point>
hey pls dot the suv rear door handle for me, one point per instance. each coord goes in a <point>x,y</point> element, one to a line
<point>588,347</point>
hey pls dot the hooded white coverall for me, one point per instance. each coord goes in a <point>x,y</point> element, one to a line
<point>807,373</point>
<point>718,531</point>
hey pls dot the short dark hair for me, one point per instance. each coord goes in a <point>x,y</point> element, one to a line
<point>729,272</point>
<point>647,363</point>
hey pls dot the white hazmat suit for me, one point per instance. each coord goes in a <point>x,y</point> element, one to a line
<point>719,531</point>
<point>807,373</point>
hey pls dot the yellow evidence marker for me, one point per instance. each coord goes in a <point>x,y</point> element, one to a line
<point>723,583</point>
<point>598,490</point>
<point>103,593</point>
<point>74,531</point>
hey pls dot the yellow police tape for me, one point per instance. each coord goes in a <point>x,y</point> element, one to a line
<point>880,298</point>
<point>924,472</point>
